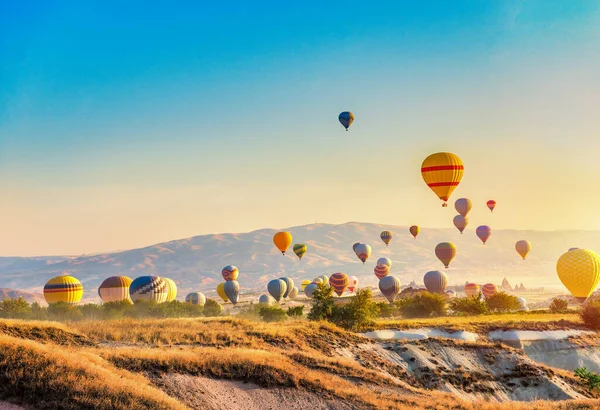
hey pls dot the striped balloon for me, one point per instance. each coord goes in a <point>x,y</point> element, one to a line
<point>63,289</point>
<point>385,261</point>
<point>115,289</point>
<point>363,251</point>
<point>414,231</point>
<point>445,252</point>
<point>339,282</point>
<point>196,298</point>
<point>435,281</point>
<point>221,292</point>
<point>277,288</point>
<point>353,283</point>
<point>300,250</point>
<point>489,289</point>
<point>230,272</point>
<point>232,290</point>
<point>491,204</point>
<point>305,283</point>
<point>289,286</point>
<point>390,287</point>
<point>442,172</point>
<point>460,222</point>
<point>266,300</point>
<point>463,206</point>
<point>381,271</point>
<point>172,290</point>
<point>472,289</point>
<point>386,237</point>
<point>484,232</point>
<point>149,288</point>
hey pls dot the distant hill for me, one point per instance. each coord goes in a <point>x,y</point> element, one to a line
<point>195,263</point>
<point>28,296</point>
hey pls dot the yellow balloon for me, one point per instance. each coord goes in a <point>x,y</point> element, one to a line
<point>579,271</point>
<point>63,289</point>
<point>221,292</point>
<point>442,172</point>
<point>305,283</point>
<point>282,241</point>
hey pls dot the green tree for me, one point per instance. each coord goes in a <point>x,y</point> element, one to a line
<point>212,308</point>
<point>472,305</point>
<point>63,311</point>
<point>360,311</point>
<point>591,379</point>
<point>295,311</point>
<point>272,314</point>
<point>423,305</point>
<point>559,305</point>
<point>15,308</point>
<point>502,302</point>
<point>322,304</point>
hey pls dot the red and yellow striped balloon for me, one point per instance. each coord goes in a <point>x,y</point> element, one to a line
<point>339,282</point>
<point>445,252</point>
<point>472,289</point>
<point>489,289</point>
<point>442,172</point>
<point>381,271</point>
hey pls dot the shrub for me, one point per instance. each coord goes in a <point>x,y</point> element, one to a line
<point>15,308</point>
<point>469,305</point>
<point>322,303</point>
<point>423,305</point>
<point>358,313</point>
<point>591,379</point>
<point>91,311</point>
<point>590,314</point>
<point>250,312</point>
<point>272,313</point>
<point>295,311</point>
<point>559,305</point>
<point>38,312</point>
<point>63,311</point>
<point>212,308</point>
<point>502,302</point>
<point>117,310</point>
<point>385,309</point>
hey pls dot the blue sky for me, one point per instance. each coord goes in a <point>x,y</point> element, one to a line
<point>125,125</point>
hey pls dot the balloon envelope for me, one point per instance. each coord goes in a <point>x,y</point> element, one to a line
<point>390,287</point>
<point>579,271</point>
<point>346,118</point>
<point>460,222</point>
<point>171,290</point>
<point>522,303</point>
<point>277,288</point>
<point>305,283</point>
<point>339,282</point>
<point>414,231</point>
<point>450,293</point>
<point>115,289</point>
<point>435,281</point>
<point>489,289</point>
<point>282,241</point>
<point>221,292</point>
<point>363,252</point>
<point>385,261</point>
<point>196,298</point>
<point>484,232</point>
<point>442,172</point>
<point>491,204</point>
<point>289,286</point>
<point>293,293</point>
<point>386,237</point>
<point>353,283</point>
<point>232,290</point>
<point>149,288</point>
<point>64,288</point>
<point>300,250</point>
<point>355,245</point>
<point>310,289</point>
<point>230,272</point>
<point>472,289</point>
<point>266,300</point>
<point>523,247</point>
<point>463,206</point>
<point>381,271</point>
<point>445,252</point>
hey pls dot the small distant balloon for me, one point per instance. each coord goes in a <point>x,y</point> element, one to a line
<point>489,289</point>
<point>305,283</point>
<point>445,252</point>
<point>310,289</point>
<point>221,292</point>
<point>484,232</point>
<point>300,250</point>
<point>523,248</point>
<point>414,231</point>
<point>363,252</point>
<point>196,298</point>
<point>491,204</point>
<point>230,272</point>
<point>442,172</point>
<point>435,281</point>
<point>282,241</point>
<point>381,271</point>
<point>289,282</point>
<point>277,288</point>
<point>460,222</point>
<point>346,118</point>
<point>266,300</point>
<point>353,283</point>
<point>450,293</point>
<point>386,237</point>
<point>472,289</point>
<point>385,261</point>
<point>463,206</point>
<point>390,287</point>
<point>232,290</point>
<point>339,282</point>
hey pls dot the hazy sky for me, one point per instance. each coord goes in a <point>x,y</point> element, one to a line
<point>123,126</point>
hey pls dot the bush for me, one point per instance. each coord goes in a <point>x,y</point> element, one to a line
<point>502,302</point>
<point>423,305</point>
<point>91,311</point>
<point>591,379</point>
<point>295,311</point>
<point>559,305</point>
<point>590,314</point>
<point>64,311</point>
<point>385,309</point>
<point>250,312</point>
<point>322,303</point>
<point>15,308</point>
<point>469,305</point>
<point>272,313</point>
<point>358,313</point>
<point>212,308</point>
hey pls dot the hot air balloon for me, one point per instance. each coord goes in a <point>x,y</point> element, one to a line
<point>460,222</point>
<point>445,252</point>
<point>277,288</point>
<point>63,289</point>
<point>293,293</point>
<point>483,232</point>
<point>489,289</point>
<point>319,281</point>
<point>579,271</point>
<point>289,285</point>
<point>381,271</point>
<point>310,289</point>
<point>230,272</point>
<point>266,300</point>
<point>390,287</point>
<point>523,247</point>
<point>299,250</point>
<point>386,237</point>
<point>385,261</point>
<point>442,173</point>
<point>353,283</point>
<point>324,280</point>
<point>304,283</point>
<point>355,245</point>
<point>363,252</point>
<point>472,289</point>
<point>282,241</point>
<point>346,118</point>
<point>414,231</point>
<point>149,288</point>
<point>221,292</point>
<point>463,206</point>
<point>435,281</point>
<point>450,293</point>
<point>491,204</point>
<point>115,289</point>
<point>196,298</point>
<point>232,290</point>
<point>339,282</point>
<point>573,249</point>
<point>171,290</point>
<point>522,303</point>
